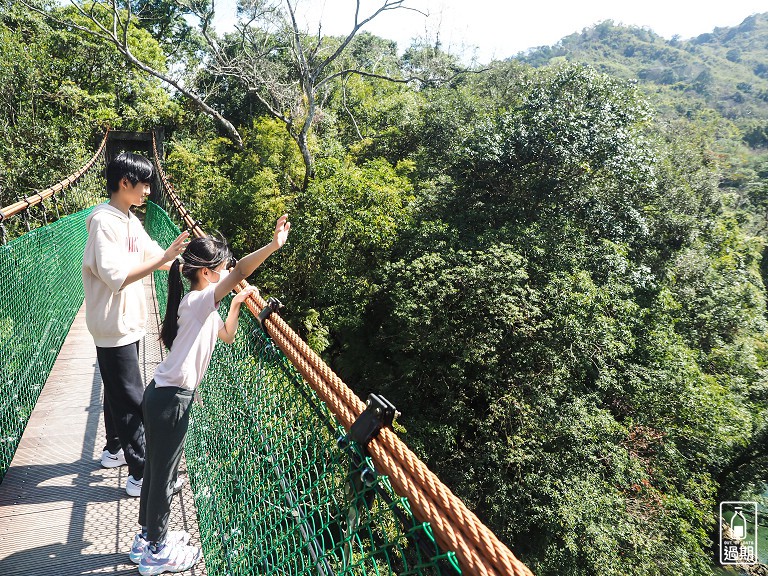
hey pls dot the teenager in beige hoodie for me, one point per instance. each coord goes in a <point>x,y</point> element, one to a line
<point>118,255</point>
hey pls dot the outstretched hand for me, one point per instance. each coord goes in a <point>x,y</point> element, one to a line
<point>243,295</point>
<point>281,231</point>
<point>248,264</point>
<point>177,246</point>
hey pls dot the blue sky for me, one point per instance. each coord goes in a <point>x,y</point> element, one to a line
<point>502,28</point>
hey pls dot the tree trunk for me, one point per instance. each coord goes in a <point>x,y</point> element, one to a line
<point>309,162</point>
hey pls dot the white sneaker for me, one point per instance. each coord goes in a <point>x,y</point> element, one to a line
<point>177,486</point>
<point>140,544</point>
<point>109,460</point>
<point>172,558</point>
<point>133,487</point>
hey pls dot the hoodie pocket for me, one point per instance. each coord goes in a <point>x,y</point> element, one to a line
<point>122,309</point>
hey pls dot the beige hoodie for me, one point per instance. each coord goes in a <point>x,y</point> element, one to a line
<point>116,244</point>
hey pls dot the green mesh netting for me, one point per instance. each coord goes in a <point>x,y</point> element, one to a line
<point>41,251</point>
<point>275,491</point>
<point>40,293</point>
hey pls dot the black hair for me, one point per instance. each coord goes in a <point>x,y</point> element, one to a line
<point>128,165</point>
<point>200,253</point>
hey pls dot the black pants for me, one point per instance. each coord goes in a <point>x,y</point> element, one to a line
<point>123,392</point>
<point>166,418</point>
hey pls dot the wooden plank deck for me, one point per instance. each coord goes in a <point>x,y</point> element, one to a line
<point>61,514</point>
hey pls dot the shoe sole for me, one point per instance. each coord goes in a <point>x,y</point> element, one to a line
<point>136,558</point>
<point>112,463</point>
<point>155,570</point>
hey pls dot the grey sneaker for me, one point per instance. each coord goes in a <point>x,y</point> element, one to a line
<point>133,487</point>
<point>140,544</point>
<point>109,460</point>
<point>172,558</point>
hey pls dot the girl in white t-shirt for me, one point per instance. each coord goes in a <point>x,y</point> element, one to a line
<point>190,330</point>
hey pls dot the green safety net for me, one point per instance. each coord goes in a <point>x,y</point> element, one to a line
<point>40,293</point>
<point>276,492</point>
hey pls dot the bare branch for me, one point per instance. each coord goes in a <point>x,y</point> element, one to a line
<point>386,6</point>
<point>313,52</point>
<point>348,111</point>
<point>205,17</point>
<point>105,36</point>
<point>268,105</point>
<point>348,71</point>
<point>127,23</point>
<point>297,48</point>
<point>120,41</point>
<point>116,22</point>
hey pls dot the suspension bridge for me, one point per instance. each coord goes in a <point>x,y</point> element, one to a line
<point>289,472</point>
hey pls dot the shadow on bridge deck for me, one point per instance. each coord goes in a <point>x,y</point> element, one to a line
<point>61,514</point>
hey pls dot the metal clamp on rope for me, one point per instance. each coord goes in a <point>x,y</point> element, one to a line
<point>360,487</point>
<point>56,205</point>
<point>42,209</point>
<point>379,412</point>
<point>25,215</point>
<point>273,305</point>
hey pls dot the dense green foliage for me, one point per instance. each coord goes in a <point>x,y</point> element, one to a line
<point>719,79</point>
<point>554,269</point>
<point>724,70</point>
<point>61,90</point>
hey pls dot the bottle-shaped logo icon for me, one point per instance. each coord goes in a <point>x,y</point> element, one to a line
<point>739,524</point>
<point>738,533</point>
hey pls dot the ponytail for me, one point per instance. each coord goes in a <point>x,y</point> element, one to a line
<point>171,321</point>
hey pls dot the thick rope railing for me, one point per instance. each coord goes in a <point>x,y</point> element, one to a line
<point>455,527</point>
<point>38,197</point>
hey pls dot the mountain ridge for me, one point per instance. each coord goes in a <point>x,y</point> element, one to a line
<point>726,69</point>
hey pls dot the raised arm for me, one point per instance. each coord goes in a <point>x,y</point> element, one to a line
<point>248,264</point>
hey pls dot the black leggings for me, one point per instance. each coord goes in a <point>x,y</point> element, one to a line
<point>166,418</point>
<point>123,392</point>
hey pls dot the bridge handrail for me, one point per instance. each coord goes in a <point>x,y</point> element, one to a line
<point>455,527</point>
<point>38,197</point>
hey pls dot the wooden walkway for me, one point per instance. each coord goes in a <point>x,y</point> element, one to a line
<point>61,514</point>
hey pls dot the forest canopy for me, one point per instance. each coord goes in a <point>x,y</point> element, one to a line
<point>551,264</point>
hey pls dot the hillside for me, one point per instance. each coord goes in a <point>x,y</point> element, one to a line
<point>725,70</point>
